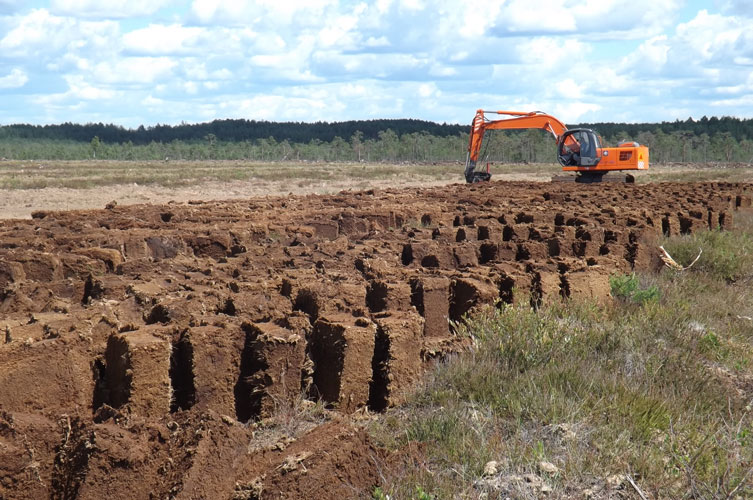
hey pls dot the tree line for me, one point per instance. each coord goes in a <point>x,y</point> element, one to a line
<point>227,130</point>
<point>705,140</point>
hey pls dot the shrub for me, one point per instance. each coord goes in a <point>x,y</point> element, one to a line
<point>627,288</point>
<point>727,255</point>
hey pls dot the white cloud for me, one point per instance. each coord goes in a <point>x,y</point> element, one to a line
<point>650,57</point>
<point>340,30</point>
<point>412,4</point>
<point>134,70</point>
<point>709,50</point>
<point>158,39</point>
<point>551,52</point>
<point>607,19</point>
<point>574,111</point>
<point>78,90</point>
<point>268,12</point>
<point>569,89</point>
<point>107,9</point>
<point>426,90</point>
<point>550,16</point>
<point>35,29</point>
<point>153,102</point>
<point>40,34</point>
<point>17,78</point>
<point>475,21</point>
<point>711,36</point>
<point>332,60</point>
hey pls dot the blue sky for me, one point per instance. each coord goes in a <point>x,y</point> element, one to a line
<point>134,62</point>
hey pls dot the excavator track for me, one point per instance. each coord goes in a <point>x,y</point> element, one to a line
<point>595,178</point>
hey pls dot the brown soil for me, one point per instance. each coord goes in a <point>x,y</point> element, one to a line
<point>151,351</point>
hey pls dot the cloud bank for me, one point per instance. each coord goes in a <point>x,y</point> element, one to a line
<point>160,61</point>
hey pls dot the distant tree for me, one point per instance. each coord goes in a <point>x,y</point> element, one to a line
<point>95,146</point>
<point>356,142</point>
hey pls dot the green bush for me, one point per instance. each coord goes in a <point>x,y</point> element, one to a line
<point>627,288</point>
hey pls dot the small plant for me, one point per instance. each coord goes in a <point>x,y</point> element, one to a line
<point>422,495</point>
<point>379,494</point>
<point>627,288</point>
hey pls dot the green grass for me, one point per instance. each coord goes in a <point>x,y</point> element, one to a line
<point>725,255</point>
<point>660,389</point>
<point>627,288</point>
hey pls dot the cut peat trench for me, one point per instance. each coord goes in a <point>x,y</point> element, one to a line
<point>235,309</point>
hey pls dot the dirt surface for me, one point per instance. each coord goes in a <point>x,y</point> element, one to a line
<point>159,351</point>
<point>20,203</point>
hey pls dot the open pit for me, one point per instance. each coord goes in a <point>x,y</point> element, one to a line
<point>141,341</point>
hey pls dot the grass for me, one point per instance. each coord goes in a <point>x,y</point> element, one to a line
<point>90,174</point>
<point>725,255</point>
<point>696,172</point>
<point>95,173</point>
<point>660,390</point>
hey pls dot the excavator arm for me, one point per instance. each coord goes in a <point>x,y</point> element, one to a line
<point>518,120</point>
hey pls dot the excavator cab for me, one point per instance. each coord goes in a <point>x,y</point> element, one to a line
<point>580,147</point>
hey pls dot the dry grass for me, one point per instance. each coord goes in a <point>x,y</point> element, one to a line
<point>697,172</point>
<point>89,174</point>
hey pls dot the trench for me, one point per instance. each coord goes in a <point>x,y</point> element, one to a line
<point>249,387</point>
<point>379,384</point>
<point>182,375</point>
<point>328,355</point>
<point>118,372</point>
<point>305,301</point>
<point>537,293</point>
<point>462,298</point>
<point>376,297</point>
<point>506,285</point>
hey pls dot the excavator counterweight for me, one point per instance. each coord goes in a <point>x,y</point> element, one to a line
<point>578,150</point>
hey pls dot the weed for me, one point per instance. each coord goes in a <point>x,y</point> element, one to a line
<point>627,288</point>
<point>379,494</point>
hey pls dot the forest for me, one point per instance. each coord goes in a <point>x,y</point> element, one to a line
<point>713,139</point>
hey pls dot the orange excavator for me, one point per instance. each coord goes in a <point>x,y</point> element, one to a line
<point>579,150</point>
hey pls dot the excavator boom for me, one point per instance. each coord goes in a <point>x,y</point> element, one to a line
<point>578,150</point>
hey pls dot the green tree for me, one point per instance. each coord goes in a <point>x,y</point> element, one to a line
<point>356,142</point>
<point>95,146</point>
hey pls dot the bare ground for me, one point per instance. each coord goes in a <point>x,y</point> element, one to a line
<point>51,186</point>
<point>153,348</point>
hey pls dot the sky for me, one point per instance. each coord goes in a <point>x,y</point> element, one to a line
<point>148,62</point>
